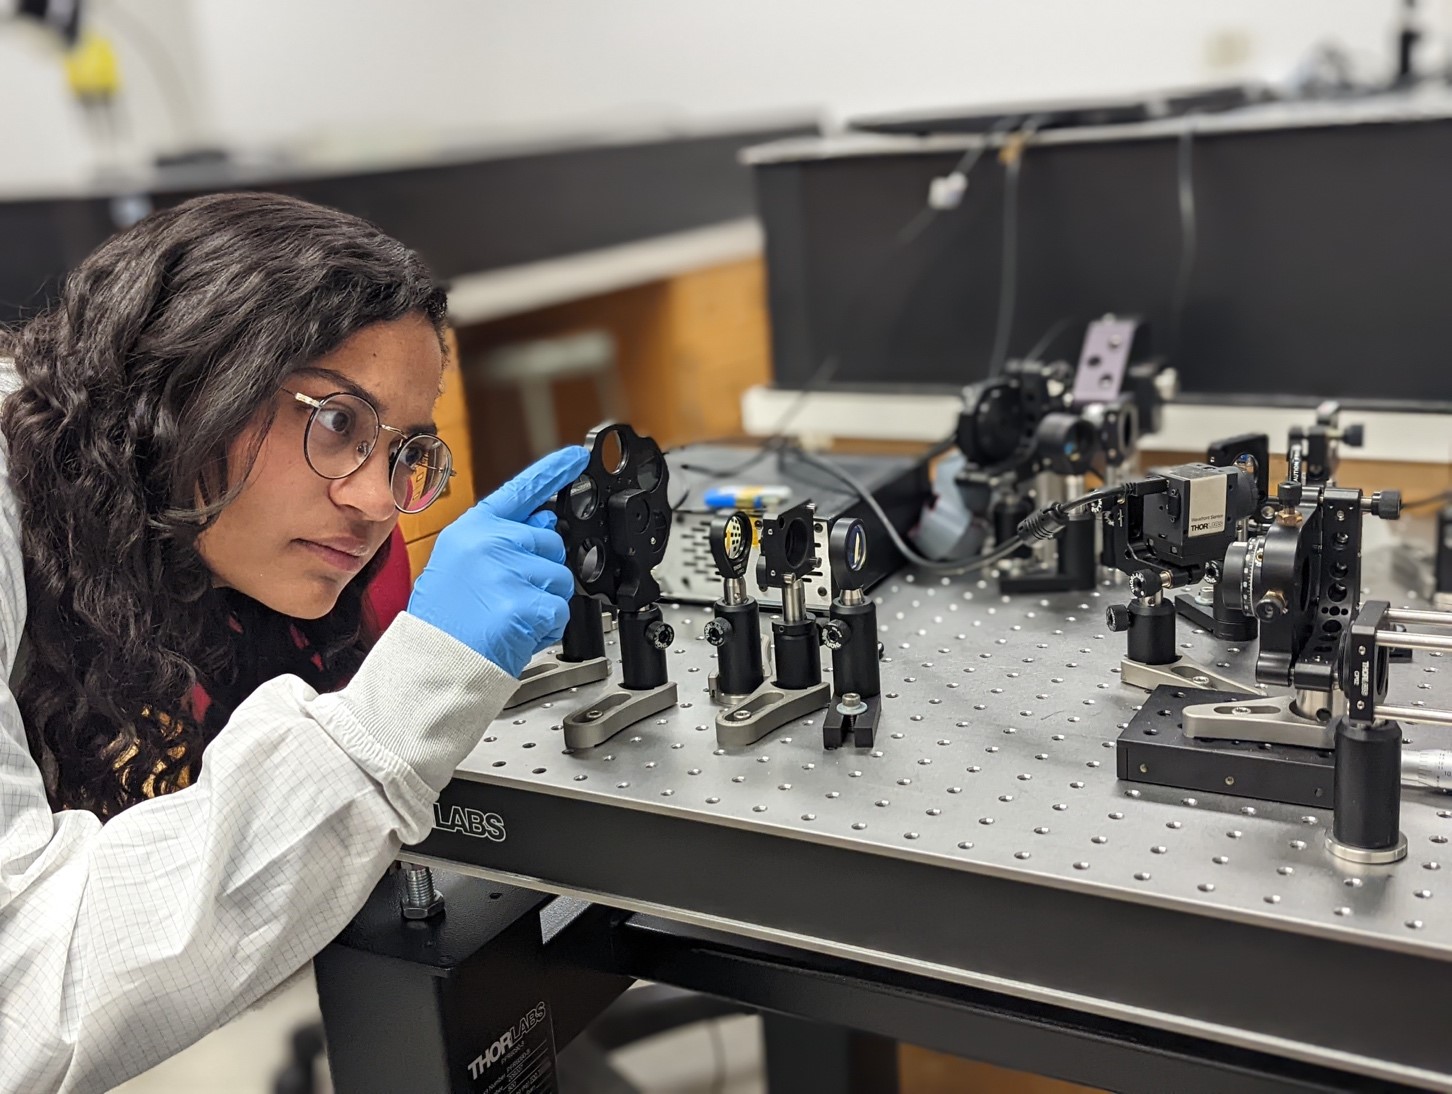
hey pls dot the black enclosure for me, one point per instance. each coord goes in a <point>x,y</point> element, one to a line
<point>1322,259</point>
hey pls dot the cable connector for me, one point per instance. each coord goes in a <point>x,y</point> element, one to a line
<point>1045,524</point>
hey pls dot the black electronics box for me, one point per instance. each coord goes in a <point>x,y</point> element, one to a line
<point>688,575</point>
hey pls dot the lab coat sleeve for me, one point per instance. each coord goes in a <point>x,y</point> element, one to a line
<point>122,944</point>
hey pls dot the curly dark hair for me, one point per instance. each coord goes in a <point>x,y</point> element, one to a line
<point>161,348</point>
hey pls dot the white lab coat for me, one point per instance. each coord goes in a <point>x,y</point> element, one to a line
<point>124,943</point>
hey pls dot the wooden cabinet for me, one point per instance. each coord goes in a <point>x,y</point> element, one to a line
<point>687,348</point>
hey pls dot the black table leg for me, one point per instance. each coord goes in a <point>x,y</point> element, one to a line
<point>806,1056</point>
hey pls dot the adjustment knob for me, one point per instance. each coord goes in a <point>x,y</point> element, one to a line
<point>1271,605</point>
<point>835,634</point>
<point>1289,493</point>
<point>660,635</point>
<point>718,632</point>
<point>1387,504</point>
<point>1353,435</point>
<point>1118,617</point>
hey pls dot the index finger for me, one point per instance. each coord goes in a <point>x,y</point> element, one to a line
<point>537,484</point>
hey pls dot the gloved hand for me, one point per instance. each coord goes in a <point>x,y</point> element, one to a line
<point>496,579</point>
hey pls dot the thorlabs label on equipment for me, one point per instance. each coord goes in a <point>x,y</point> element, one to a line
<point>521,1060</point>
<point>469,822</point>
<point>1206,504</point>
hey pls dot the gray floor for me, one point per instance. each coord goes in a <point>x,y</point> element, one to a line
<point>244,1057</point>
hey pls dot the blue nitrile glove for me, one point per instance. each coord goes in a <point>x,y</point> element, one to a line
<point>496,579</point>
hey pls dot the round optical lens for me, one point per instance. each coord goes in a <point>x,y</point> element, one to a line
<point>420,473</point>
<point>341,433</point>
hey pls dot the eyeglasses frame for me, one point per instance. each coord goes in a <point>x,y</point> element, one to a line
<point>317,405</point>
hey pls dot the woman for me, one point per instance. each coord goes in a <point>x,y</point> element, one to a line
<point>207,758</point>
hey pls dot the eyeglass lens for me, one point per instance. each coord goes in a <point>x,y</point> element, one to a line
<point>342,433</point>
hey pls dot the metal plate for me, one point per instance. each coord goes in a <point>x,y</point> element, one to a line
<point>996,755</point>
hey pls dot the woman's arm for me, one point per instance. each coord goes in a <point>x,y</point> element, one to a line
<point>120,945</point>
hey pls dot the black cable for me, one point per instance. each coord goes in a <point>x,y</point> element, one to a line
<point>946,444</point>
<point>1008,270</point>
<point>902,238</point>
<point>1104,493</point>
<point>1185,183</point>
<point>1044,524</point>
<point>1431,499</point>
<point>770,445</point>
<point>964,169</point>
<point>1047,338</point>
<point>914,228</point>
<point>954,565</point>
<point>824,372</point>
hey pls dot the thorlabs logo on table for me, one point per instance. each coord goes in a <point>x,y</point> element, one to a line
<point>468,822</point>
<point>507,1040</point>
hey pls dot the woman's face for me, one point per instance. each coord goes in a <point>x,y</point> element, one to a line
<point>292,539</point>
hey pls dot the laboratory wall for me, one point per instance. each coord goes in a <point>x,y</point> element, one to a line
<point>355,73</point>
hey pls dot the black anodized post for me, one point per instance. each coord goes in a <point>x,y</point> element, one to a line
<point>642,663</point>
<point>798,654</point>
<point>1152,632</point>
<point>739,656</point>
<point>585,633</point>
<point>1077,561</point>
<point>1368,785</point>
<point>854,663</point>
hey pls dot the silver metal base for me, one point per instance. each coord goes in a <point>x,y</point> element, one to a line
<point>719,697</point>
<point>614,711</point>
<point>550,674</point>
<point>1182,672</point>
<point>1269,721</point>
<point>1367,857</point>
<point>768,707</point>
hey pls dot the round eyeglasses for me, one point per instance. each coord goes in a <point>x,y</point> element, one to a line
<point>341,434</point>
